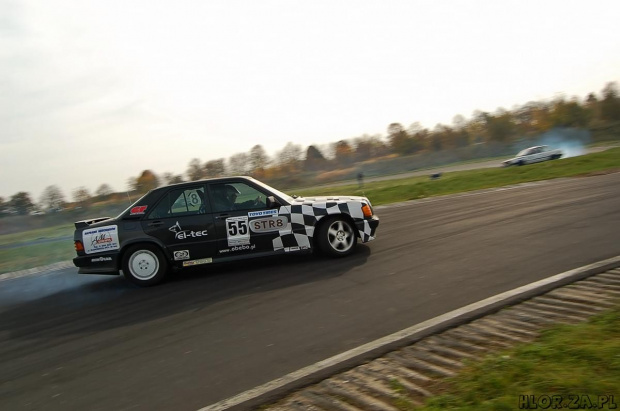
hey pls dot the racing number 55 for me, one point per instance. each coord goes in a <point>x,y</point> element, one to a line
<point>237,231</point>
<point>236,227</point>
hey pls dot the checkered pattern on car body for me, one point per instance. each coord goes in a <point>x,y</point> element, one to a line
<point>305,215</point>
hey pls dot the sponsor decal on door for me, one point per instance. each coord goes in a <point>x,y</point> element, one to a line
<point>181,255</point>
<point>262,225</point>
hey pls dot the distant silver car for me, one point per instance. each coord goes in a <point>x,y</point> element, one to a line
<point>533,155</point>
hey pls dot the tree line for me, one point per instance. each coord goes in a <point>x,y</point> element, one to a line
<point>502,126</point>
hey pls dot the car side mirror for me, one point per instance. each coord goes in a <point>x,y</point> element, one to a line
<point>272,202</point>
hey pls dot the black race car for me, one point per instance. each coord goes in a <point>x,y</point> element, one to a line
<point>217,220</point>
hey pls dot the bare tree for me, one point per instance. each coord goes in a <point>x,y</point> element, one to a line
<point>610,104</point>
<point>314,159</point>
<point>3,207</point>
<point>21,203</point>
<point>81,195</point>
<point>238,164</point>
<point>291,154</point>
<point>104,191</point>
<point>259,160</point>
<point>214,168</point>
<point>169,178</point>
<point>52,198</point>
<point>194,170</point>
<point>145,182</point>
<point>344,153</point>
<point>290,158</point>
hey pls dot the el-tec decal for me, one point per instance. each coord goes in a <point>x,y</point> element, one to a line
<point>100,239</point>
<point>181,255</point>
<point>262,213</point>
<point>138,210</point>
<point>237,231</point>
<point>262,225</point>
<point>197,262</point>
<point>181,234</point>
<point>100,259</point>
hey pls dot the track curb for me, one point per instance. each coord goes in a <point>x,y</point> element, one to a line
<point>36,270</point>
<point>278,388</point>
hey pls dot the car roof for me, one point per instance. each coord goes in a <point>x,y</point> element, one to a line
<point>206,181</point>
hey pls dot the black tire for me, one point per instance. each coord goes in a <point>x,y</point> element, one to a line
<point>337,236</point>
<point>520,163</point>
<point>145,265</point>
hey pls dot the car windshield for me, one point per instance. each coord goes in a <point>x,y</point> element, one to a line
<point>523,152</point>
<point>279,193</point>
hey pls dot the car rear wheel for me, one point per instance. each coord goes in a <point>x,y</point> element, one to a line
<point>337,237</point>
<point>145,265</point>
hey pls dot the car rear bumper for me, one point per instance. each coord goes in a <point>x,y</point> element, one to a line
<point>97,264</point>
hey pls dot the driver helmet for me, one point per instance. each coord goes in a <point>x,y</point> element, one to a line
<point>231,192</point>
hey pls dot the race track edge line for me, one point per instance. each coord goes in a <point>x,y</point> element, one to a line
<point>321,370</point>
<point>36,270</point>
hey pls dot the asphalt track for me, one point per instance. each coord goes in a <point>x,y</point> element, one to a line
<point>98,343</point>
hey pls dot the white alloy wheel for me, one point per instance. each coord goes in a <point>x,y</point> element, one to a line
<point>143,264</point>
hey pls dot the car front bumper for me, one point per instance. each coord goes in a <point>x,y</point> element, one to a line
<point>367,228</point>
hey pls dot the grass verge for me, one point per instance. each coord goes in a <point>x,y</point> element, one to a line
<point>35,255</point>
<point>384,192</point>
<point>48,233</point>
<point>567,360</point>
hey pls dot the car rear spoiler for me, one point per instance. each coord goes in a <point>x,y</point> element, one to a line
<point>86,223</point>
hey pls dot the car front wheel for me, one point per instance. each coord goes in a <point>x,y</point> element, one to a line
<point>144,265</point>
<point>337,237</point>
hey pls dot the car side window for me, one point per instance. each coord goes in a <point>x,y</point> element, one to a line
<point>181,202</point>
<point>236,196</point>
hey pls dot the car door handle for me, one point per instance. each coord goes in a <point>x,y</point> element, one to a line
<point>219,217</point>
<point>155,223</point>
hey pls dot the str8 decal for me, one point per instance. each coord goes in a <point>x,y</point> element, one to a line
<point>262,225</point>
<point>237,231</point>
<point>100,239</point>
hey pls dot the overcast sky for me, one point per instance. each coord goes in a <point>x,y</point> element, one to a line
<point>94,92</point>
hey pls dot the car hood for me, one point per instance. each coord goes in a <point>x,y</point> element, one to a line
<point>329,199</point>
